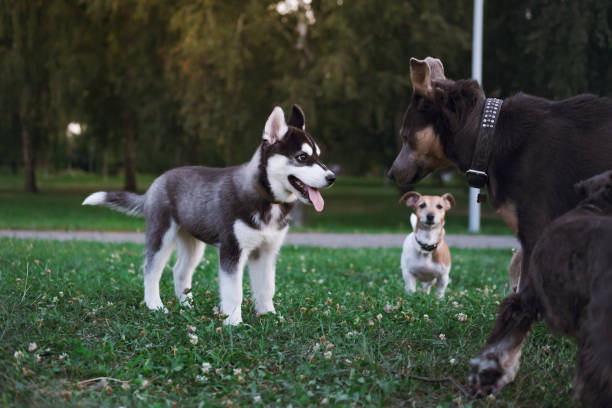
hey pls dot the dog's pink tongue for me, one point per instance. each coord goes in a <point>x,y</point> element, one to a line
<point>316,198</point>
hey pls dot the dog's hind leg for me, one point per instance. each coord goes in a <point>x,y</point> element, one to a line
<point>514,270</point>
<point>160,240</point>
<point>498,363</point>
<point>189,252</point>
<point>231,264</point>
<point>262,271</point>
<point>427,285</point>
<point>593,382</point>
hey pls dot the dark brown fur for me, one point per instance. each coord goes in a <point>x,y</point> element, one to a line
<point>570,286</point>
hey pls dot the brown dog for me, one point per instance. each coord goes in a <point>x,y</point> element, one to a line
<point>570,286</point>
<point>534,151</point>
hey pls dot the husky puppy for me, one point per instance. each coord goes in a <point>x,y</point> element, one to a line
<point>241,210</point>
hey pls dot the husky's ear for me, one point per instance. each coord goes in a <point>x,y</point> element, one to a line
<point>276,127</point>
<point>411,198</point>
<point>297,118</point>
<point>423,72</point>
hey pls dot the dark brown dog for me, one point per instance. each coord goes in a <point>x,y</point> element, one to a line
<point>570,286</point>
<point>538,151</point>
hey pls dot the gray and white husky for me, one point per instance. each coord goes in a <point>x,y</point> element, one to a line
<point>242,210</point>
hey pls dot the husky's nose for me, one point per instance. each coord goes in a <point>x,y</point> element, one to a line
<point>330,178</point>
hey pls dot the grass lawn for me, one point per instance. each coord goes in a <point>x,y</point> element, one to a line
<point>351,205</point>
<point>343,333</point>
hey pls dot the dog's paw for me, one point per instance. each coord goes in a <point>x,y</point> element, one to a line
<point>265,309</point>
<point>233,320</point>
<point>487,375</point>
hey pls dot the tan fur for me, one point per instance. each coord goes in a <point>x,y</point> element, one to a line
<point>508,213</point>
<point>514,269</point>
<point>429,149</point>
<point>442,254</point>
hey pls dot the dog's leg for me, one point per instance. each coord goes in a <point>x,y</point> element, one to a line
<point>231,265</point>
<point>160,240</point>
<point>442,284</point>
<point>514,269</point>
<point>410,283</point>
<point>262,271</point>
<point>498,363</point>
<point>189,251</point>
<point>427,286</point>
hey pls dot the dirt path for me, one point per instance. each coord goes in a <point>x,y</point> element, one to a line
<point>329,240</point>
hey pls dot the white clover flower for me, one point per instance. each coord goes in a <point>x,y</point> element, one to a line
<point>316,347</point>
<point>206,366</point>
<point>453,361</point>
<point>237,371</point>
<point>462,317</point>
<point>442,337</point>
<point>19,355</point>
<point>256,398</point>
<point>328,355</point>
<point>191,328</point>
<point>55,299</point>
<point>379,316</point>
<point>61,294</point>
<point>32,347</point>
<point>63,356</point>
<point>193,338</point>
<point>201,378</point>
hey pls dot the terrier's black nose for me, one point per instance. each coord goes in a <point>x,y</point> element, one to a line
<point>330,179</point>
<point>430,217</point>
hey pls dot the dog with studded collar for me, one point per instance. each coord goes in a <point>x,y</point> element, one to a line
<point>425,254</point>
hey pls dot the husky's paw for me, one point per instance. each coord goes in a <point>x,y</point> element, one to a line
<point>157,306</point>
<point>187,301</point>
<point>260,311</point>
<point>487,376</point>
<point>233,320</point>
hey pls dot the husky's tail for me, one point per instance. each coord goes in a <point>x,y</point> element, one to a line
<point>413,221</point>
<point>124,201</point>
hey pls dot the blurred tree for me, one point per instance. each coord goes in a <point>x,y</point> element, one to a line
<point>24,51</point>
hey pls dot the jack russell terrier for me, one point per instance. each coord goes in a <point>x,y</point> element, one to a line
<point>425,255</point>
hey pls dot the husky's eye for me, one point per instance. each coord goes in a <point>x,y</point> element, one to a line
<point>302,157</point>
<point>422,205</point>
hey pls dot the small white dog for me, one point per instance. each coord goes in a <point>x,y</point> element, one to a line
<point>425,255</point>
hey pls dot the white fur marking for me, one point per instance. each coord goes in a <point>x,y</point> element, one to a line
<point>95,198</point>
<point>307,149</point>
<point>275,127</point>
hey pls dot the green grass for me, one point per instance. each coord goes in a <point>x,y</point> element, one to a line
<point>351,205</point>
<point>81,304</point>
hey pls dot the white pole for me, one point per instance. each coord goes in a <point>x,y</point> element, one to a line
<point>474,217</point>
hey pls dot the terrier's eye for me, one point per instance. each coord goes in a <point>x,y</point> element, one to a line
<point>302,157</point>
<point>422,205</point>
<point>439,207</point>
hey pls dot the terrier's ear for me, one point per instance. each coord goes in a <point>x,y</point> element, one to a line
<point>411,198</point>
<point>276,127</point>
<point>297,118</point>
<point>448,200</point>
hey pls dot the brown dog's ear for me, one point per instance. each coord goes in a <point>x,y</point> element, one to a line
<point>420,75</point>
<point>449,201</point>
<point>411,198</point>
<point>422,72</point>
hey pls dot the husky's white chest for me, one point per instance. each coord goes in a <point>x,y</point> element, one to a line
<point>267,234</point>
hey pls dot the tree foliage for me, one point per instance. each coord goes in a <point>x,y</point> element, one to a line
<point>160,84</point>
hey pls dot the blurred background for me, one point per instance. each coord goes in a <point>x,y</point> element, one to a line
<point>110,93</point>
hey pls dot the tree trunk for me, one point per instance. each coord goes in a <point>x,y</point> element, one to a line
<point>130,172</point>
<point>28,159</point>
